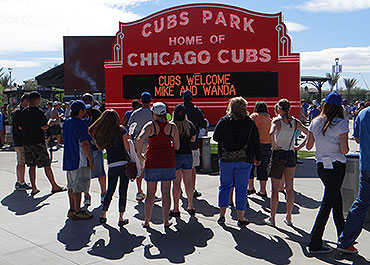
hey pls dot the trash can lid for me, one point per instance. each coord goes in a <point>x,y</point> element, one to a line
<point>355,154</point>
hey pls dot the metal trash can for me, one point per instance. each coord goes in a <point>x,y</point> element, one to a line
<point>351,183</point>
<point>206,154</point>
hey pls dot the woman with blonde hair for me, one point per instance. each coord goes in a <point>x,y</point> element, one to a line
<point>239,148</point>
<point>282,132</point>
<point>108,134</point>
<point>184,160</point>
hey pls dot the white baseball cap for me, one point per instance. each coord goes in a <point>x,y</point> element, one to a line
<point>159,108</point>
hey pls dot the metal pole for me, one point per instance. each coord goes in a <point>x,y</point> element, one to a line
<point>206,154</point>
<point>364,81</point>
<point>337,70</point>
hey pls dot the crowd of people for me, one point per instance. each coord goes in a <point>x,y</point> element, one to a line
<point>165,148</point>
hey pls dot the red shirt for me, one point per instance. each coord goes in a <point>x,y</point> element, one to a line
<point>160,152</point>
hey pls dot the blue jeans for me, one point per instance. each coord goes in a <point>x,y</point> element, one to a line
<point>236,173</point>
<point>357,214</point>
<point>114,174</point>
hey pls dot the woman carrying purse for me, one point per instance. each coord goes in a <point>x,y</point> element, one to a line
<point>283,162</point>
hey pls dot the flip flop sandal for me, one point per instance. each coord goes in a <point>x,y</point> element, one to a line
<point>34,193</point>
<point>103,220</point>
<point>61,189</point>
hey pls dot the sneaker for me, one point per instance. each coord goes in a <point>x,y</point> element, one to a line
<point>81,215</point>
<point>87,201</point>
<point>350,250</point>
<point>269,222</point>
<point>140,196</point>
<point>23,186</point>
<point>157,199</point>
<point>322,250</point>
<point>197,194</point>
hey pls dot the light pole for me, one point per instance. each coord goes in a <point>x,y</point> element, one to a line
<point>10,70</point>
<point>336,69</point>
<point>364,81</point>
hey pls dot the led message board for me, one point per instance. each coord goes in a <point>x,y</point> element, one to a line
<point>237,51</point>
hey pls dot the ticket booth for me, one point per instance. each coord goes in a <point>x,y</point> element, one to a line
<point>217,51</point>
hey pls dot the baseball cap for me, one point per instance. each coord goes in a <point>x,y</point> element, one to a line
<point>179,113</point>
<point>145,97</point>
<point>78,105</point>
<point>333,98</point>
<point>159,108</point>
<point>187,94</point>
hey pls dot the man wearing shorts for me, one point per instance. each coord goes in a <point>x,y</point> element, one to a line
<point>33,126</point>
<point>137,120</point>
<point>195,115</point>
<point>56,130</point>
<point>92,114</point>
<point>18,143</point>
<point>77,159</point>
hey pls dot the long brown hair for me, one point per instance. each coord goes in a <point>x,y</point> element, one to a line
<point>330,111</point>
<point>237,108</point>
<point>105,129</point>
<point>284,105</point>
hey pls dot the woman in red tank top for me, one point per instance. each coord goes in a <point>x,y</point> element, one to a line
<point>160,163</point>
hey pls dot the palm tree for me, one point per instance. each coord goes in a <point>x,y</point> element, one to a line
<point>1,71</point>
<point>333,79</point>
<point>4,80</point>
<point>349,83</point>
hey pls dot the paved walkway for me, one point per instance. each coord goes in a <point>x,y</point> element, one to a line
<point>36,231</point>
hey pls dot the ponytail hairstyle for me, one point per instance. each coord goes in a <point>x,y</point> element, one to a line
<point>284,105</point>
<point>329,112</point>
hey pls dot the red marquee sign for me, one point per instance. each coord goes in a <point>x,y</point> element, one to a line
<point>217,51</point>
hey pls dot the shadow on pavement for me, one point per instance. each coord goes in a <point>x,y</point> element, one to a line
<point>76,234</point>
<point>252,215</point>
<point>121,242</point>
<point>175,245</point>
<point>156,214</point>
<point>281,208</point>
<point>306,202</point>
<point>201,206</point>
<point>20,202</point>
<point>270,248</point>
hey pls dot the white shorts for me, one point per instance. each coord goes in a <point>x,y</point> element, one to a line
<point>196,158</point>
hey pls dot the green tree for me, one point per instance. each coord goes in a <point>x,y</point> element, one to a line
<point>350,83</point>
<point>4,80</point>
<point>333,79</point>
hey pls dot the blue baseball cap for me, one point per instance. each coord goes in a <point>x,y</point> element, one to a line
<point>187,94</point>
<point>146,97</point>
<point>78,105</point>
<point>333,98</point>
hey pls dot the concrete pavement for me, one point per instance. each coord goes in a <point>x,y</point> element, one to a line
<point>36,230</point>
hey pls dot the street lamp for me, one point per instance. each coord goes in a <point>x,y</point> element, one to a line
<point>364,81</point>
<point>336,69</point>
<point>10,70</point>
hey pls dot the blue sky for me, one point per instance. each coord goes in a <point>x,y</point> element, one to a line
<point>32,31</point>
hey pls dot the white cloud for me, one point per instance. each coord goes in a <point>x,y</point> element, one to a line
<point>33,62</point>
<point>353,59</point>
<point>40,25</point>
<point>292,26</point>
<point>334,5</point>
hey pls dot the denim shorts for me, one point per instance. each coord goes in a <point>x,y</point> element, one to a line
<point>184,161</point>
<point>98,159</point>
<point>265,161</point>
<point>159,174</point>
<point>287,156</point>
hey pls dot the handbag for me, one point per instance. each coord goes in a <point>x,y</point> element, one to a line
<point>130,168</point>
<point>277,165</point>
<point>236,155</point>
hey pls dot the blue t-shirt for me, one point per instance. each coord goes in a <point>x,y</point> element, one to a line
<point>75,131</point>
<point>362,131</point>
<point>314,113</point>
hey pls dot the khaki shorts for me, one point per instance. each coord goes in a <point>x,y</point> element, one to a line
<point>196,158</point>
<point>21,160</point>
<point>79,180</point>
<point>143,150</point>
